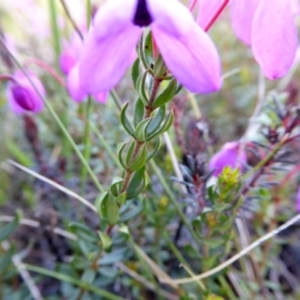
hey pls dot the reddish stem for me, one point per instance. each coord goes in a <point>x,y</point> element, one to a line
<point>216,15</point>
<point>193,5</point>
<point>290,175</point>
<point>6,77</point>
<point>155,49</point>
<point>49,69</point>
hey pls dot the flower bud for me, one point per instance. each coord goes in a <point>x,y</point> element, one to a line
<point>230,155</point>
<point>22,96</point>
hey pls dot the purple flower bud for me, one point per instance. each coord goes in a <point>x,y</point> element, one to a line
<point>22,96</point>
<point>230,155</point>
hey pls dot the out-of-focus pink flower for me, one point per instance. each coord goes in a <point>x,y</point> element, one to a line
<point>69,66</point>
<point>22,97</point>
<point>187,50</point>
<point>71,52</point>
<point>230,155</point>
<point>75,91</point>
<point>269,27</point>
<point>298,201</point>
<point>207,8</point>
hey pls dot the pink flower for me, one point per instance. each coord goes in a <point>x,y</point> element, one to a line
<point>69,66</point>
<point>187,50</point>
<point>207,8</point>
<point>230,155</point>
<point>22,97</point>
<point>269,27</point>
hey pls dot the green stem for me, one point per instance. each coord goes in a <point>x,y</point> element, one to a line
<point>138,144</point>
<point>55,29</point>
<point>106,145</point>
<point>57,119</point>
<point>174,201</point>
<point>76,28</point>
<point>88,13</point>
<point>86,142</point>
<point>181,259</point>
<point>79,283</point>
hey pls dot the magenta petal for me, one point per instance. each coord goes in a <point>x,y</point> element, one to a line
<point>207,9</point>
<point>67,60</point>
<point>298,201</point>
<point>108,48</point>
<point>22,96</point>
<point>192,58</point>
<point>73,85</point>
<point>242,13</point>
<point>101,97</point>
<point>187,50</point>
<point>274,37</point>
<point>230,155</point>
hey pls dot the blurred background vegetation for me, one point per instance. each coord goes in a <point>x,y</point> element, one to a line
<point>38,29</point>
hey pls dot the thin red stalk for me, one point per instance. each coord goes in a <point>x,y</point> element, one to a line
<point>49,69</point>
<point>217,14</point>
<point>6,77</point>
<point>290,175</point>
<point>193,5</point>
<point>155,49</point>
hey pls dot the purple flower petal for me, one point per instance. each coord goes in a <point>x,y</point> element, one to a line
<point>242,13</point>
<point>101,97</point>
<point>22,97</point>
<point>192,59</point>
<point>274,37</point>
<point>108,48</point>
<point>187,50</point>
<point>207,8</point>
<point>298,201</point>
<point>230,155</point>
<point>67,60</point>
<point>73,85</point>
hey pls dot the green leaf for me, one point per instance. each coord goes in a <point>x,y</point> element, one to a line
<point>114,187</point>
<point>10,227</point>
<point>141,129</point>
<point>121,199</point>
<point>140,159</point>
<point>115,256</point>
<point>166,95</point>
<point>83,232</point>
<point>133,212</point>
<point>105,240</point>
<point>89,276</point>
<point>214,242</point>
<point>98,202</point>
<point>124,120</point>
<point>19,155</point>
<point>137,183</point>
<point>138,113</point>
<point>157,120</point>
<point>160,67</point>
<point>141,88</point>
<point>135,71</point>
<point>120,149</point>
<point>110,210</point>
<point>167,124</point>
<point>157,145</point>
<point>130,153</point>
<point>148,49</point>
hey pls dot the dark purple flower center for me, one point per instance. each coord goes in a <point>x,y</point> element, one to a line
<point>142,16</point>
<point>22,98</point>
